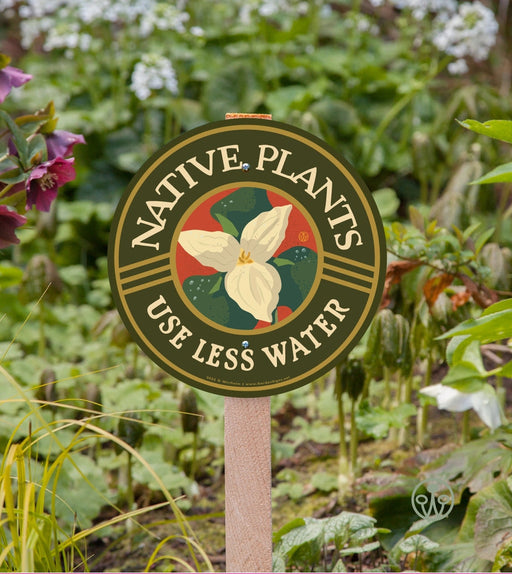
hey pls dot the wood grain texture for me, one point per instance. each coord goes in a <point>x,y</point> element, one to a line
<point>247,455</point>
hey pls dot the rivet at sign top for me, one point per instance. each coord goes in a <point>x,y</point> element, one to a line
<point>246,166</point>
<point>245,344</point>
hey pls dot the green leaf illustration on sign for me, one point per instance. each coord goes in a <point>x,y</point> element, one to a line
<point>208,294</point>
<point>236,210</point>
<point>297,268</point>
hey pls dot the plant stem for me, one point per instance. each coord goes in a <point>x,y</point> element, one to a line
<point>354,439</point>
<point>129,483</point>
<point>387,388</point>
<point>500,391</point>
<point>41,347</point>
<point>502,206</point>
<point>343,464</point>
<point>465,427</point>
<point>193,464</point>
<point>424,410</point>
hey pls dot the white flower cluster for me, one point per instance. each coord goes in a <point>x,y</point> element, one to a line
<point>64,23</point>
<point>153,72</point>
<point>164,16</point>
<point>471,31</point>
<point>465,30</point>
<point>272,8</point>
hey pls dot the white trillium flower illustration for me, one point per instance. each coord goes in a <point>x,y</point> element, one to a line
<point>484,402</point>
<point>250,281</point>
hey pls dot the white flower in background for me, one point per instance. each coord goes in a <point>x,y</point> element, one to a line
<point>484,402</point>
<point>153,72</point>
<point>164,16</point>
<point>420,8</point>
<point>197,31</point>
<point>458,68</point>
<point>471,31</point>
<point>250,281</point>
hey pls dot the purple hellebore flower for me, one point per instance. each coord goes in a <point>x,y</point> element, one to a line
<point>60,143</point>
<point>9,221</point>
<point>45,179</point>
<point>11,77</point>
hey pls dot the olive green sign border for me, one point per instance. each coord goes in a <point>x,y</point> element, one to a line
<point>264,383</point>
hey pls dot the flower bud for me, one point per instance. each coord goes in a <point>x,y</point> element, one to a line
<point>498,260</point>
<point>40,274</point>
<point>189,411</point>
<point>352,378</point>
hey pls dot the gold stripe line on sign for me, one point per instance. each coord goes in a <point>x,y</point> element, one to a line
<point>155,271</point>
<point>347,283</point>
<point>142,286</point>
<point>347,272</point>
<point>144,262</point>
<point>348,261</point>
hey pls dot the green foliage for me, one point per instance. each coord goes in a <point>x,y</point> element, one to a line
<point>49,496</point>
<point>303,543</point>
<point>377,421</point>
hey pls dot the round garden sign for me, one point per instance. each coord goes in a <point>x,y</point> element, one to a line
<point>247,257</point>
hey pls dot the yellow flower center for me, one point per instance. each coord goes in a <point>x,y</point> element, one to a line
<point>47,181</point>
<point>244,258</point>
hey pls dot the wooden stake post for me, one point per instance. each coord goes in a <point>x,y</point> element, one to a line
<point>248,483</point>
<point>248,477</point>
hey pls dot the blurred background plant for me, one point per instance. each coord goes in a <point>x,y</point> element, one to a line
<point>383,82</point>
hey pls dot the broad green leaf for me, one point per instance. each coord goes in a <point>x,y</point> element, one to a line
<point>465,377</point>
<point>324,481</point>
<point>37,152</point>
<point>306,534</point>
<point>278,561</point>
<point>456,347</point>
<point>285,98</point>
<point>500,174</point>
<point>338,567</point>
<point>348,527</point>
<point>387,202</point>
<point>18,138</point>
<point>470,230</point>
<point>467,352</point>
<point>295,523</point>
<point>13,176</point>
<point>489,520</point>
<point>482,239</point>
<point>417,543</point>
<point>233,87</point>
<point>360,549</point>
<point>377,421</point>
<point>337,119</point>
<point>475,465</point>
<point>504,305</point>
<point>506,370</point>
<point>487,328</point>
<point>498,129</point>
